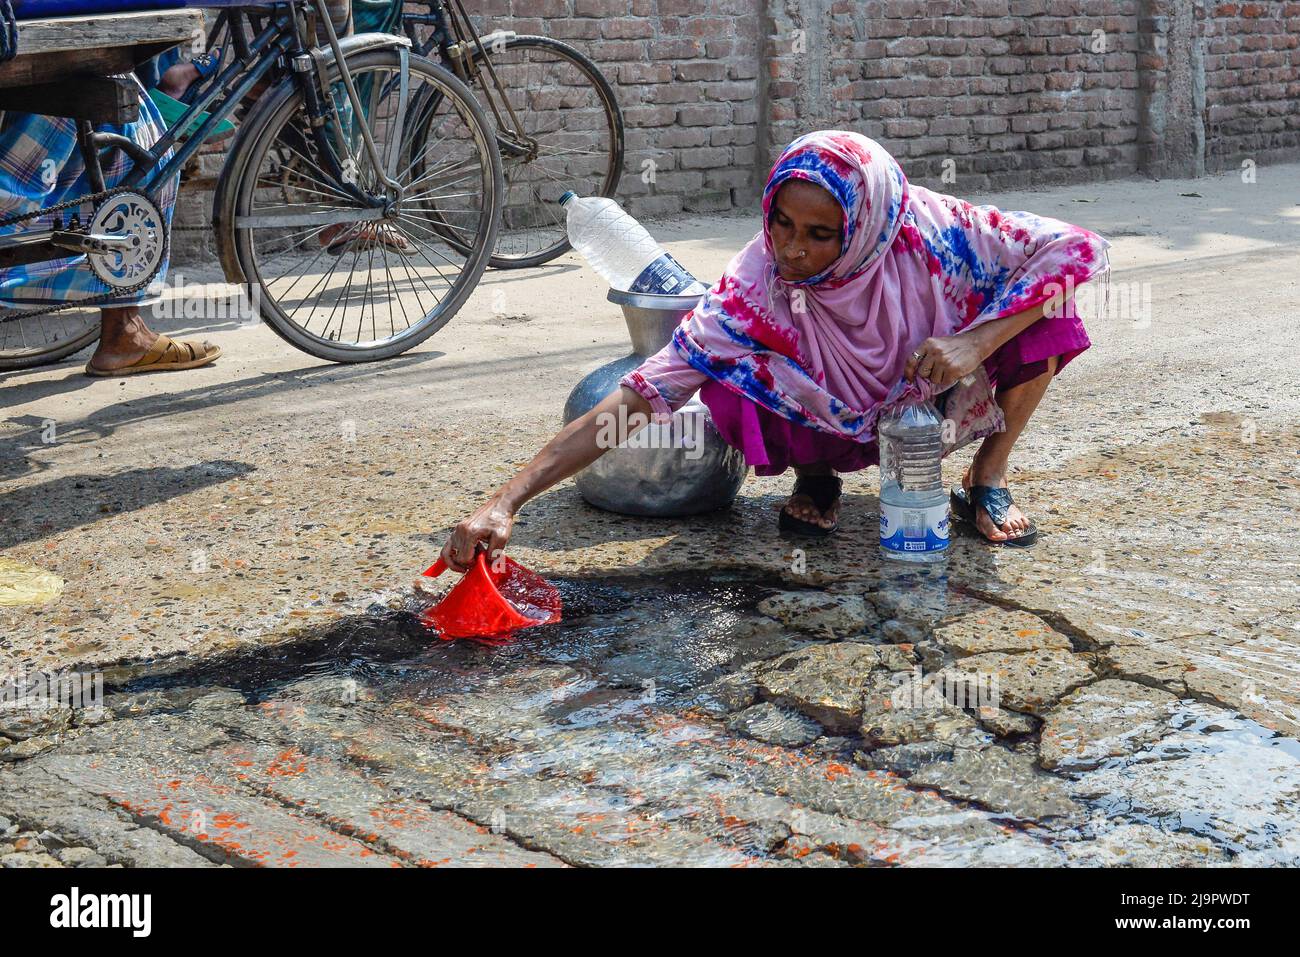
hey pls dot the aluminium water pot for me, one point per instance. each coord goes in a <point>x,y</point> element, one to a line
<point>683,467</point>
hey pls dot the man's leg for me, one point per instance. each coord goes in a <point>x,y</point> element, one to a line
<point>1018,403</point>
<point>123,338</point>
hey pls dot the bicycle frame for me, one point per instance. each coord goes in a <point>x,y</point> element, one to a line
<point>452,36</point>
<point>281,40</point>
<point>263,53</point>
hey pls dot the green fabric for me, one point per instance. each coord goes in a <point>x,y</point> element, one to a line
<point>173,110</point>
<point>373,16</point>
<point>376,16</point>
<point>368,16</point>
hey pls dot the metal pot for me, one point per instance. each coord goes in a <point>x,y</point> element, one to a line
<point>682,467</point>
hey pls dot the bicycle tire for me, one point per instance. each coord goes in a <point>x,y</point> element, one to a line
<point>614,120</point>
<point>234,195</point>
<point>33,358</point>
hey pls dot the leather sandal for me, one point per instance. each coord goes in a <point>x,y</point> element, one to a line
<point>824,490</point>
<point>165,355</point>
<point>996,502</point>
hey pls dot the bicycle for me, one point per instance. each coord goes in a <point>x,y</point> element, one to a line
<point>571,130</point>
<point>314,179</point>
<point>547,80</point>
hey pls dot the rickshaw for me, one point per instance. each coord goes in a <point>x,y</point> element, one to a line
<point>334,134</point>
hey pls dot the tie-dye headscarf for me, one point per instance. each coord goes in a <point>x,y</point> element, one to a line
<point>827,350</point>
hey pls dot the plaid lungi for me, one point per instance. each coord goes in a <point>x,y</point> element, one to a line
<point>41,165</point>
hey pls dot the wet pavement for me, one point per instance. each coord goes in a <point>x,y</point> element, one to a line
<point>238,542</point>
<point>681,720</point>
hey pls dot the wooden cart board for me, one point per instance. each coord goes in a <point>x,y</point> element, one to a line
<point>99,44</point>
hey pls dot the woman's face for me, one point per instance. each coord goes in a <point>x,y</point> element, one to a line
<point>804,222</point>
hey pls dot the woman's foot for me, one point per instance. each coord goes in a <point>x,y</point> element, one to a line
<point>181,82</point>
<point>1016,522</point>
<point>814,505</point>
<point>178,78</point>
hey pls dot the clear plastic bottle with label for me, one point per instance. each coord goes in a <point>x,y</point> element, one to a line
<point>620,249</point>
<point>914,521</point>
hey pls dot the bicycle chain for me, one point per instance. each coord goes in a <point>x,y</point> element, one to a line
<point>96,199</point>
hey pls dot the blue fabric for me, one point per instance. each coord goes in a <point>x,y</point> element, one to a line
<point>37,9</point>
<point>376,16</point>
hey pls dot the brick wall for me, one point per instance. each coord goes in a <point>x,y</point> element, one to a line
<point>688,77</point>
<point>988,92</point>
<point>1252,81</point>
<point>968,94</point>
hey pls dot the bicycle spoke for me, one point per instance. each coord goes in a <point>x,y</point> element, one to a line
<point>555,100</point>
<point>446,176</point>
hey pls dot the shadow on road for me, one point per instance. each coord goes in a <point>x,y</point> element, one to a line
<point>69,501</point>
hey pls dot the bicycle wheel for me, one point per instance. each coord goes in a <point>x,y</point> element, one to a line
<point>331,275</point>
<point>567,107</point>
<point>40,340</point>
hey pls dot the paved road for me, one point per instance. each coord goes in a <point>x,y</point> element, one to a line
<point>204,511</point>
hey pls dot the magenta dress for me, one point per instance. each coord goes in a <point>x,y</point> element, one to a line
<point>772,443</point>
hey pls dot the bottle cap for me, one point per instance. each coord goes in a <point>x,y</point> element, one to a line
<point>568,195</point>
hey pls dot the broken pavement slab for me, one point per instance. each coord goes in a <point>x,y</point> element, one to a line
<point>897,726</point>
<point>821,614</point>
<point>19,724</point>
<point>1028,682</point>
<point>826,682</point>
<point>990,628</point>
<point>904,759</point>
<point>733,692</point>
<point>1103,720</point>
<point>912,707</point>
<point>1000,780</point>
<point>775,725</point>
<point>1251,672</point>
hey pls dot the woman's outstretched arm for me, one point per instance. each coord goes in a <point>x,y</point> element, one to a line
<point>576,446</point>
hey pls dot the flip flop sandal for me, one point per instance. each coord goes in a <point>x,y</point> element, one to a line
<point>996,502</point>
<point>165,355</point>
<point>824,490</point>
<point>207,64</point>
<point>354,238</point>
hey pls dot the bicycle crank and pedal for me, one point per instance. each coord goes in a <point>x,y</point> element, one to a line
<point>124,242</point>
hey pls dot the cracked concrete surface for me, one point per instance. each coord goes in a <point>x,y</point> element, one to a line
<point>239,505</point>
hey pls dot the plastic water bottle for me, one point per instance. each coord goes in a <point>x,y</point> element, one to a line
<point>913,502</point>
<point>620,249</point>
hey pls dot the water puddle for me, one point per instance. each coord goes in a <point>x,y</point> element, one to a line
<point>665,636</point>
<point>1218,779</point>
<point>610,738</point>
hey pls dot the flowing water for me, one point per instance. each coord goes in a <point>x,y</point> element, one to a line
<point>611,738</point>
